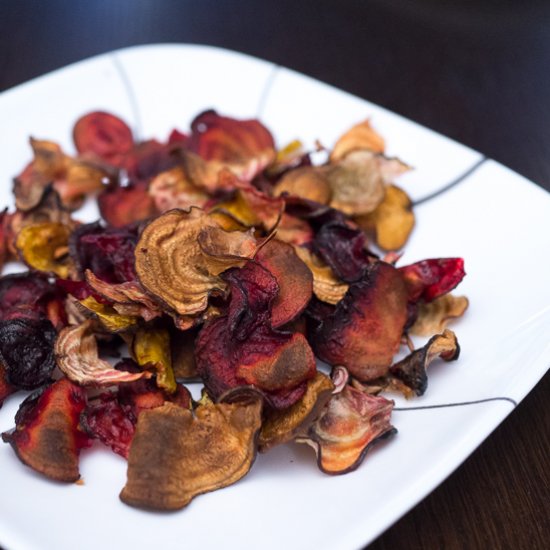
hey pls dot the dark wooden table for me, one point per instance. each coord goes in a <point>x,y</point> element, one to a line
<point>478,72</point>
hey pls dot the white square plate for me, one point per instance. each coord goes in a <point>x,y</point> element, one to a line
<point>480,210</point>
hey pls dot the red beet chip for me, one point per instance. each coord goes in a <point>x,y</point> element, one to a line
<point>47,436</point>
<point>30,296</point>
<point>120,206</point>
<point>429,279</point>
<point>104,134</point>
<point>107,251</point>
<point>242,348</point>
<point>26,351</point>
<point>5,387</point>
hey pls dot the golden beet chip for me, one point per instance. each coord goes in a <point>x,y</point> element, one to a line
<point>281,426</point>
<point>348,426</point>
<point>174,189</point>
<point>45,247</point>
<point>392,221</point>
<point>364,330</point>
<point>307,182</point>
<point>176,455</point>
<point>151,347</point>
<point>409,374</point>
<point>433,316</point>
<point>360,136</point>
<point>77,357</point>
<point>326,286</point>
<point>293,277</point>
<point>181,253</point>
<point>47,436</point>
<point>107,315</point>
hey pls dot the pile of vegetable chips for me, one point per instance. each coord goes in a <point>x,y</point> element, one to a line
<point>270,276</point>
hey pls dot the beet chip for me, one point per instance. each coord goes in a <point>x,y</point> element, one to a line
<point>409,374</point>
<point>242,348</point>
<point>47,436</point>
<point>364,331</point>
<point>112,416</point>
<point>26,351</point>
<point>176,455</point>
<point>246,147</point>
<point>120,206</point>
<point>429,279</point>
<point>31,296</point>
<point>350,424</point>
<point>103,134</point>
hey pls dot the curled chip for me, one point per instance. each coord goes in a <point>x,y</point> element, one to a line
<point>326,286</point>
<point>26,351</point>
<point>103,134</point>
<point>151,347</point>
<point>47,436</point>
<point>180,255</point>
<point>360,136</point>
<point>45,247</point>
<point>409,374</point>
<point>392,221</point>
<point>242,348</point>
<point>433,316</point>
<point>364,331</point>
<point>281,426</point>
<point>348,426</point>
<point>109,317</point>
<point>293,277</point>
<point>246,147</point>
<point>176,455</point>
<point>429,279</point>
<point>77,357</point>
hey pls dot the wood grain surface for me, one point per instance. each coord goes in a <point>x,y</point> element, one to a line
<point>478,72</point>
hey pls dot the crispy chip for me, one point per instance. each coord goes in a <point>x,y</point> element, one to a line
<point>180,254</point>
<point>46,437</point>
<point>360,136</point>
<point>77,357</point>
<point>151,347</point>
<point>307,182</point>
<point>348,426</point>
<point>45,247</point>
<point>107,315</point>
<point>176,455</point>
<point>433,316</point>
<point>392,221</point>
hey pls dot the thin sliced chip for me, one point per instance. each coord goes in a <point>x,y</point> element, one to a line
<point>107,315</point>
<point>151,348</point>
<point>434,316</point>
<point>326,286</point>
<point>45,247</point>
<point>293,277</point>
<point>176,456</point>
<point>410,372</point>
<point>171,263</point>
<point>392,221</point>
<point>183,354</point>
<point>120,206</point>
<point>364,330</point>
<point>346,429</point>
<point>5,387</point>
<point>281,426</point>
<point>47,437</point>
<point>77,357</point>
<point>360,136</point>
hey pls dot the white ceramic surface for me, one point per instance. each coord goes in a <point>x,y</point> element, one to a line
<point>494,218</point>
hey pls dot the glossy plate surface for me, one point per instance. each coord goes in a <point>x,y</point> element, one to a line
<point>467,206</point>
